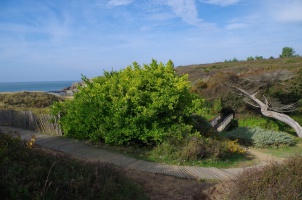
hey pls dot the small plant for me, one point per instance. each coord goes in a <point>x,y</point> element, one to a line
<point>234,147</point>
<point>31,142</point>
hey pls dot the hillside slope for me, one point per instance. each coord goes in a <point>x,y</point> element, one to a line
<point>208,79</point>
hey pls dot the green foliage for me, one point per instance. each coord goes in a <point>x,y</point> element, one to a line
<point>263,122</point>
<point>231,61</point>
<point>287,52</point>
<point>138,104</point>
<point>250,58</point>
<point>33,174</point>
<point>258,58</point>
<point>217,106</point>
<point>275,181</point>
<point>260,137</point>
<point>194,148</point>
<point>201,125</point>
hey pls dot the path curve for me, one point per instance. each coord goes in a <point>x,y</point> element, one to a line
<point>84,151</point>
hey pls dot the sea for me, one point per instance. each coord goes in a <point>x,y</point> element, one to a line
<point>43,86</point>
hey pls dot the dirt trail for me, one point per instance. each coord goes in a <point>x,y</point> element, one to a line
<point>263,157</point>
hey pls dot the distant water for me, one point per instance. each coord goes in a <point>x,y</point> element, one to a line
<point>45,86</point>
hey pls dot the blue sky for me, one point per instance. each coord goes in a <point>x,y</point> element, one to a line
<point>49,40</point>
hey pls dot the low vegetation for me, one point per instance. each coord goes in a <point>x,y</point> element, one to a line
<point>259,137</point>
<point>274,181</point>
<point>37,102</point>
<point>199,151</point>
<point>29,173</point>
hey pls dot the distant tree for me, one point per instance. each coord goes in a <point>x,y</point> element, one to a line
<point>287,52</point>
<point>250,58</point>
<point>230,61</point>
<point>258,57</point>
<point>271,57</point>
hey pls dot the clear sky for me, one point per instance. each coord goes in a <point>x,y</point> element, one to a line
<point>49,40</point>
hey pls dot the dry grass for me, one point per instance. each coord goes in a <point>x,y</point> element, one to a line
<point>274,181</point>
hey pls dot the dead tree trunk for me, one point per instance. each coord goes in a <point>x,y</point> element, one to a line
<point>268,113</point>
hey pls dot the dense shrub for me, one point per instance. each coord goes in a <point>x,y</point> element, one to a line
<point>201,125</point>
<point>275,181</point>
<point>195,147</point>
<point>260,137</point>
<point>137,104</point>
<point>33,174</point>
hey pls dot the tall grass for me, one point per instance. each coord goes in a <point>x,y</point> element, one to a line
<point>33,174</point>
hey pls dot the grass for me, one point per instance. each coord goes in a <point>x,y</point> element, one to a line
<point>231,161</point>
<point>282,152</point>
<point>29,173</point>
<point>37,102</point>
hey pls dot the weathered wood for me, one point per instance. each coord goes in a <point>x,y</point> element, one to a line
<point>268,113</point>
<point>30,121</point>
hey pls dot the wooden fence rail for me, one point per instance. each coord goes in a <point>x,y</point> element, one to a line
<point>225,123</point>
<point>28,120</point>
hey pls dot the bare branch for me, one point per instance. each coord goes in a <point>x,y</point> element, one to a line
<point>248,102</point>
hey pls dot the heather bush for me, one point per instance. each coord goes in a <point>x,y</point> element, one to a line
<point>195,147</point>
<point>260,137</point>
<point>274,181</point>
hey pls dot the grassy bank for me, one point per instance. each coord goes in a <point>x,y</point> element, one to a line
<point>29,173</point>
<point>37,102</point>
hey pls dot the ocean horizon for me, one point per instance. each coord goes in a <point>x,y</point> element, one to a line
<point>41,86</point>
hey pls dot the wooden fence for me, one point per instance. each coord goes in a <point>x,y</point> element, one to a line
<point>225,123</point>
<point>28,120</point>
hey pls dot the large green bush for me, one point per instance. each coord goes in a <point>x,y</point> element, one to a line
<point>260,137</point>
<point>137,104</point>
